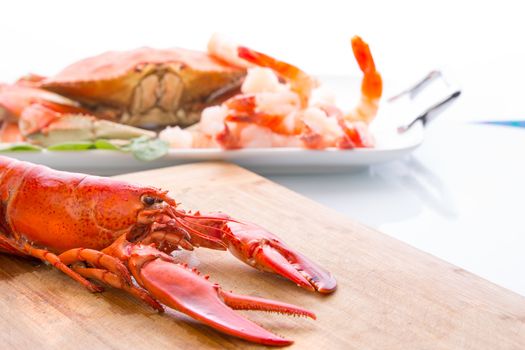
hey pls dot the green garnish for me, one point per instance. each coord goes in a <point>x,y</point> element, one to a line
<point>142,148</point>
<point>19,147</point>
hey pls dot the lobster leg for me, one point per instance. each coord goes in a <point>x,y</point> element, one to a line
<point>7,246</point>
<point>97,259</point>
<point>54,260</point>
<point>185,290</point>
<point>115,281</point>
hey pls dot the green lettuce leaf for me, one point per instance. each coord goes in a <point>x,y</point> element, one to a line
<point>19,147</point>
<point>144,148</point>
<point>72,146</point>
<point>105,144</point>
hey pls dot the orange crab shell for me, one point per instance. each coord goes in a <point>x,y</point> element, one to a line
<point>146,86</point>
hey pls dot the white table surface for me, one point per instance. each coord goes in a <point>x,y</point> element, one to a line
<point>458,197</point>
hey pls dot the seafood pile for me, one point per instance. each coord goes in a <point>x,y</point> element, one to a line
<point>281,106</point>
<point>105,232</point>
<point>229,97</point>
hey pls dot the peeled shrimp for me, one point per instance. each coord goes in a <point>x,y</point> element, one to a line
<point>275,107</point>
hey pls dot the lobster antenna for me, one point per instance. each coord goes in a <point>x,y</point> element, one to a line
<point>181,222</point>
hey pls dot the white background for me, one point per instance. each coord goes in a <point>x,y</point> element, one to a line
<point>459,197</point>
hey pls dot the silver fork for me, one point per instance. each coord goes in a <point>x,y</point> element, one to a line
<point>435,109</point>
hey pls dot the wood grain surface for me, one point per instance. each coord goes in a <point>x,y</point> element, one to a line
<point>390,295</point>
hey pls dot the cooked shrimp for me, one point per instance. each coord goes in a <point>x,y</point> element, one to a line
<point>237,125</point>
<point>264,102</point>
<point>276,106</point>
<point>371,86</point>
<point>355,134</point>
<point>225,50</point>
<point>300,82</point>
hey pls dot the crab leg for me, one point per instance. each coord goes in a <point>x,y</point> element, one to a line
<point>258,248</point>
<point>185,290</point>
<point>46,118</point>
<point>9,131</point>
<point>46,123</point>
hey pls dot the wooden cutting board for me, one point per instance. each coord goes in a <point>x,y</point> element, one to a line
<point>390,296</point>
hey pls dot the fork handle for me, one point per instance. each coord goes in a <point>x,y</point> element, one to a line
<point>432,112</point>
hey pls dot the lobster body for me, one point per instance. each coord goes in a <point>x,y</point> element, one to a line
<point>61,211</point>
<point>102,231</point>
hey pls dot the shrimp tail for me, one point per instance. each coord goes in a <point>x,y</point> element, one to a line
<point>371,85</point>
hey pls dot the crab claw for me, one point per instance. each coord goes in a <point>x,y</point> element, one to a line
<point>264,251</point>
<point>185,290</point>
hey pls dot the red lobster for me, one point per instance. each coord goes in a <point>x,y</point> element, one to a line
<point>121,235</point>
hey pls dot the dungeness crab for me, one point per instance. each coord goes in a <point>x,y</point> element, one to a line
<point>143,89</point>
<point>146,87</point>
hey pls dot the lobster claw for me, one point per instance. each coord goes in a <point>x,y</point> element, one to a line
<point>264,251</point>
<point>185,290</point>
<point>277,258</point>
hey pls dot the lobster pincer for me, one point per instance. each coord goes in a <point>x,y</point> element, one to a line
<point>184,289</point>
<point>262,250</point>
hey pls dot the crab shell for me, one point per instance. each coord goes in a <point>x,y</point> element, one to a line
<point>147,87</point>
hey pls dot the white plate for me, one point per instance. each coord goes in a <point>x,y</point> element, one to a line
<point>390,145</point>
